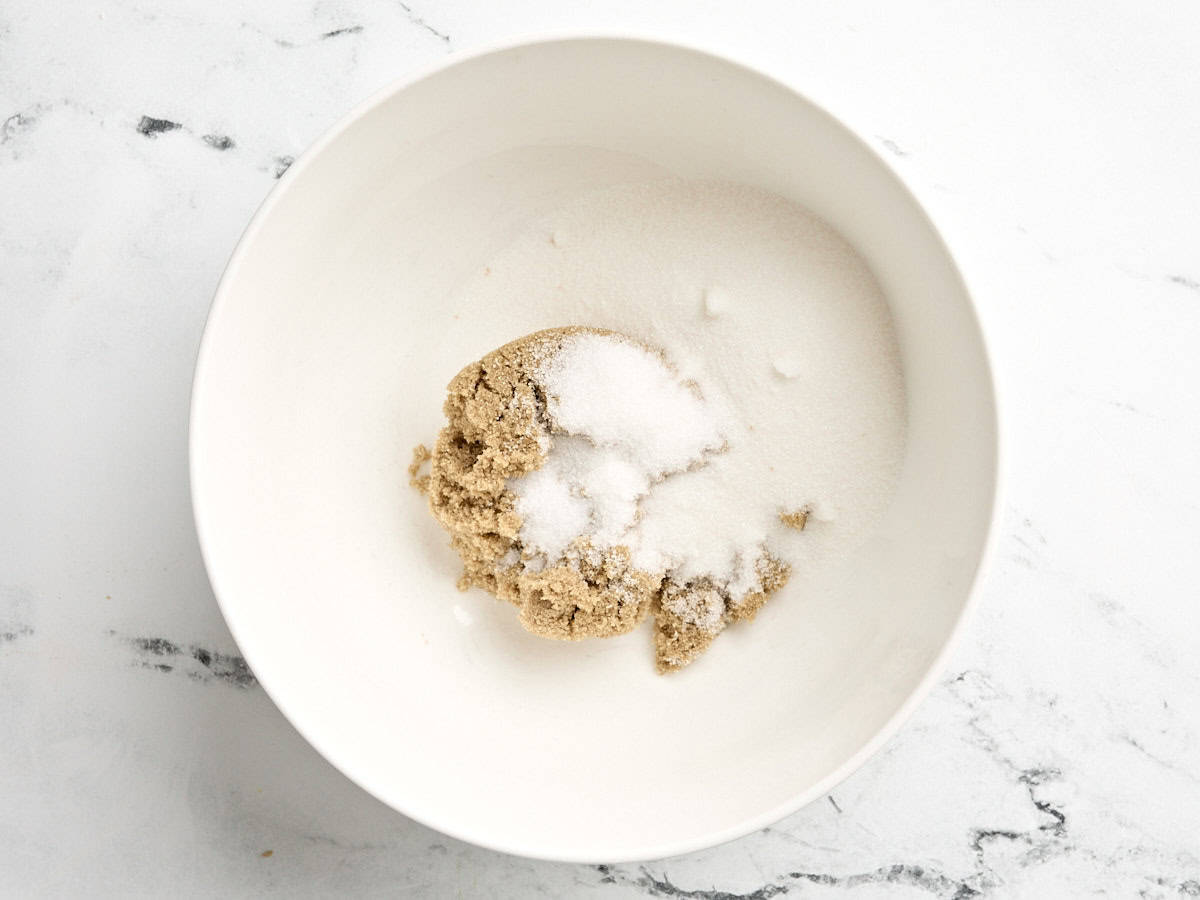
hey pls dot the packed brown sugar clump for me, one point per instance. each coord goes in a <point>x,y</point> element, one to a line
<point>500,427</point>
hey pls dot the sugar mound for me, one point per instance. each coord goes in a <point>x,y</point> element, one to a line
<point>623,397</point>
<point>624,425</point>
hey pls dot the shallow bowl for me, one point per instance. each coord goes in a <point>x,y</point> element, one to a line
<point>325,358</point>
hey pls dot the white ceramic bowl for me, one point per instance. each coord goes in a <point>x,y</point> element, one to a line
<point>325,360</point>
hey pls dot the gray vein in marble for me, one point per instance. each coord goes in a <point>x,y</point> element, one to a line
<point>1126,407</point>
<point>973,689</point>
<point>337,32</point>
<point>1112,403</point>
<point>358,847</point>
<point>1052,838</point>
<point>983,835</point>
<point>1176,278</point>
<point>922,878</point>
<point>21,121</point>
<point>1032,541</point>
<point>420,21</point>
<point>152,127</point>
<point>288,44</point>
<point>1033,778</point>
<point>198,663</point>
<point>15,632</point>
<point>892,146</point>
<point>219,141</point>
<point>1118,617</point>
<point>1158,760</point>
<point>1046,254</point>
<point>662,887</point>
<point>1028,524</point>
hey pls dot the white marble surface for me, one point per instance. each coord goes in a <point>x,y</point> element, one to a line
<point>1059,147</point>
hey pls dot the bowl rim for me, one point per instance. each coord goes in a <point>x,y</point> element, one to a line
<point>937,665</point>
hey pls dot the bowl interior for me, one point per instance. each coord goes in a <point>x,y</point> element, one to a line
<point>325,360</point>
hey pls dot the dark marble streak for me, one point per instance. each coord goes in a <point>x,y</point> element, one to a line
<point>219,141</point>
<point>985,835</point>
<point>282,164</point>
<point>1184,281</point>
<point>420,22</point>
<point>1155,758</point>
<point>921,877</point>
<point>911,876</point>
<point>293,45</point>
<point>15,632</point>
<point>198,663</point>
<point>1032,778</point>
<point>892,146</point>
<point>18,122</point>
<point>966,687</point>
<point>152,127</point>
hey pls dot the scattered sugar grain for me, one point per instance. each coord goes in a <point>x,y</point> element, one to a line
<point>787,366</point>
<point>716,301</point>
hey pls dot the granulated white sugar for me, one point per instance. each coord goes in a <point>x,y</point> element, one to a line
<point>788,366</point>
<point>704,609</point>
<point>716,301</point>
<point>623,423</point>
<point>552,513</point>
<point>624,397</point>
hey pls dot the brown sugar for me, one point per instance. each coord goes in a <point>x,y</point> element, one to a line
<point>421,455</point>
<point>796,519</point>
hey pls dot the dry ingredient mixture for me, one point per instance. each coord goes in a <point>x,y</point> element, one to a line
<point>768,433</point>
<point>554,444</point>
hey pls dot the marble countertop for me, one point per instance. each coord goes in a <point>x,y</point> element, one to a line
<point>1058,145</point>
